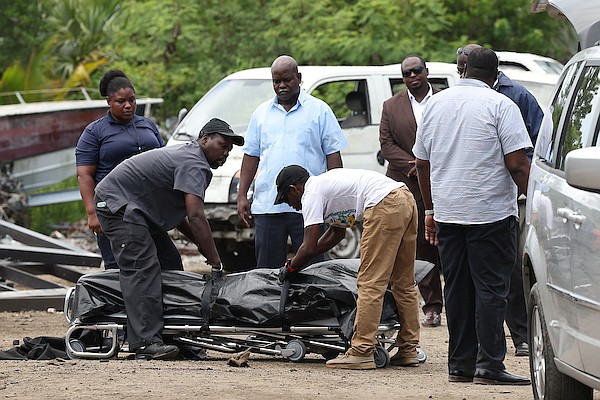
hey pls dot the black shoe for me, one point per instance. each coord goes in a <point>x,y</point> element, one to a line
<point>157,351</point>
<point>457,375</point>
<point>498,377</point>
<point>522,350</point>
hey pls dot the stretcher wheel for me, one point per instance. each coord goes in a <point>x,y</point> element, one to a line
<point>299,349</point>
<point>330,355</point>
<point>76,345</point>
<point>382,356</point>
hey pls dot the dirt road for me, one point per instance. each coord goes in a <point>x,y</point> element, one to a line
<point>266,377</point>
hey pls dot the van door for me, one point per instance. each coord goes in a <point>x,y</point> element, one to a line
<point>583,222</point>
<point>550,191</point>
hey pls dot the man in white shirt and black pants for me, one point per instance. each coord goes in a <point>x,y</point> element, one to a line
<point>471,156</point>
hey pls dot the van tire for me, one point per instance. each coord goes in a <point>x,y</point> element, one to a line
<point>547,382</point>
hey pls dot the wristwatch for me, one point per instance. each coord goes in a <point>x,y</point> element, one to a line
<point>428,212</point>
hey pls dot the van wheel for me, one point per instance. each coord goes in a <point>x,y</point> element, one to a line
<point>547,381</point>
<point>349,247</point>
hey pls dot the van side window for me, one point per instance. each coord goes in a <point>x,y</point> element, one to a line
<point>580,124</point>
<point>349,101</point>
<point>558,105</point>
<point>398,85</point>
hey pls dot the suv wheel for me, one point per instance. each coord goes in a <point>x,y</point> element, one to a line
<point>548,382</point>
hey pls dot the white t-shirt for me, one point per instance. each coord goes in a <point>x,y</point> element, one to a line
<point>340,196</point>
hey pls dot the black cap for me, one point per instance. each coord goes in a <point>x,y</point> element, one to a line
<point>217,125</point>
<point>289,175</point>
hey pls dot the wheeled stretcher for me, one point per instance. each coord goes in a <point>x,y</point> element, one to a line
<point>312,313</point>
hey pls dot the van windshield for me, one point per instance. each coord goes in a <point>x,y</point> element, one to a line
<point>233,101</point>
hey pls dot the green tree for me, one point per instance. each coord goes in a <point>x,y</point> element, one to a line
<point>80,28</point>
<point>178,49</point>
<point>188,47</point>
<point>23,29</point>
<point>67,57</point>
<point>508,25</point>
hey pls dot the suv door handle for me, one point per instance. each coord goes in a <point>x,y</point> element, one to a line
<point>569,215</point>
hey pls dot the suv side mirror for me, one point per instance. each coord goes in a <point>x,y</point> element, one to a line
<point>581,168</point>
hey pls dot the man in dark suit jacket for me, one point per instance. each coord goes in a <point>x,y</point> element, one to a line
<point>399,119</point>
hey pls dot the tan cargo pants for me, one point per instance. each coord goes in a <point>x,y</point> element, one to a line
<point>388,250</point>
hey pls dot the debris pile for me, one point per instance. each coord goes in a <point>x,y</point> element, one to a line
<point>13,201</point>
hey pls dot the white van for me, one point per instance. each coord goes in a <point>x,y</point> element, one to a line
<point>511,61</point>
<point>235,98</point>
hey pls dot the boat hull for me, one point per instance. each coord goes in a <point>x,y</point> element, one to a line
<point>37,140</point>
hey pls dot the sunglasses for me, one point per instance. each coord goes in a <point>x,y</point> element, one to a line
<point>462,50</point>
<point>416,70</point>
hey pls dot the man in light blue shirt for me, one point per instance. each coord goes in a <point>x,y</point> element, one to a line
<point>292,128</point>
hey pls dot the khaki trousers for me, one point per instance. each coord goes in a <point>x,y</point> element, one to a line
<point>388,249</point>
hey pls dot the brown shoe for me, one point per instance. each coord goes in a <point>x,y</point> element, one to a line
<point>431,319</point>
<point>402,361</point>
<point>346,361</point>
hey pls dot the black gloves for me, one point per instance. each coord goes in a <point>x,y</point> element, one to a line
<point>287,271</point>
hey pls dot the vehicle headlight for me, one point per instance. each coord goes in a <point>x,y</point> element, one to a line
<point>234,188</point>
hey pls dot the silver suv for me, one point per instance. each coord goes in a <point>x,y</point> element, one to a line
<point>561,251</point>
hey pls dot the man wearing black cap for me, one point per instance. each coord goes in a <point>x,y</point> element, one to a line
<point>138,202</point>
<point>471,159</point>
<point>340,198</point>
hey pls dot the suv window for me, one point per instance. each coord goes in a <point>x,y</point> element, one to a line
<point>580,122</point>
<point>559,103</point>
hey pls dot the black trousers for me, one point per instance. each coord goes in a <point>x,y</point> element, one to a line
<point>430,286</point>
<point>477,261</point>
<point>142,253</point>
<point>516,309</point>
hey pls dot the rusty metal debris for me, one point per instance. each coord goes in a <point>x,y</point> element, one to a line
<point>33,267</point>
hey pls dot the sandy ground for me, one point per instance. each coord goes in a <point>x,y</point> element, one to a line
<point>266,377</point>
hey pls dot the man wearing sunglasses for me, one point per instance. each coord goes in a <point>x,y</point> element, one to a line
<point>516,311</point>
<point>399,119</point>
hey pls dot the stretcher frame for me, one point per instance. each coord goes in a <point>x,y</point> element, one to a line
<point>293,342</point>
